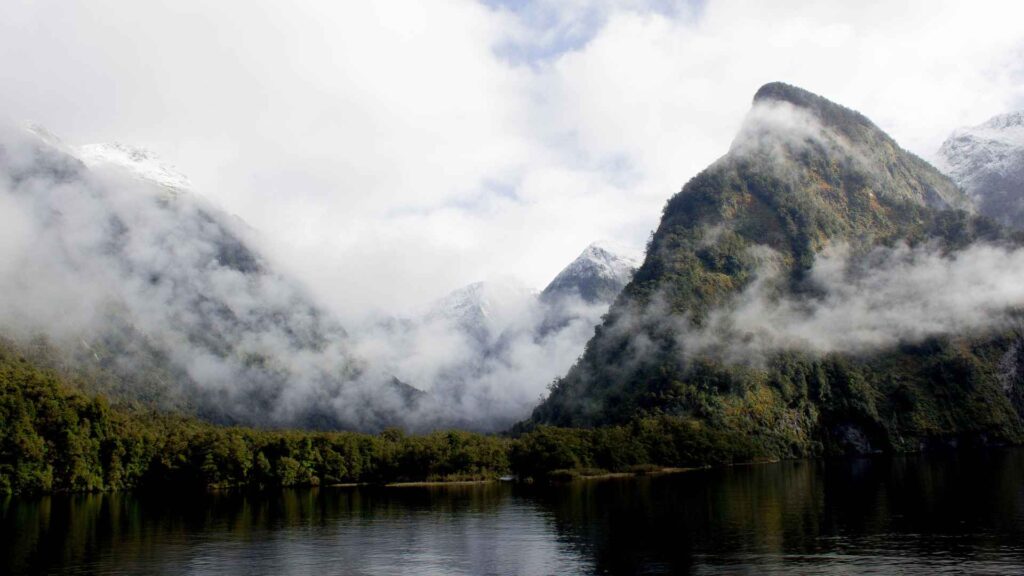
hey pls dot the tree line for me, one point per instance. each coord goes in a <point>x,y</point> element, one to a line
<point>56,438</point>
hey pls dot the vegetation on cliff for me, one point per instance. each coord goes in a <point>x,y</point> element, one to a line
<point>803,177</point>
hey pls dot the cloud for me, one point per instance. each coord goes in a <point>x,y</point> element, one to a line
<point>165,294</point>
<point>866,303</point>
<point>162,289</point>
<point>389,152</point>
<point>388,145</point>
<point>485,354</point>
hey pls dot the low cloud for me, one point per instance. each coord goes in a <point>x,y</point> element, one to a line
<point>167,294</point>
<point>851,302</point>
<point>487,363</point>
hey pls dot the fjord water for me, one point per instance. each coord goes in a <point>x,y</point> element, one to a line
<point>940,513</point>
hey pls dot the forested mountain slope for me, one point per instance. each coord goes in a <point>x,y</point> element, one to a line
<point>819,289</point>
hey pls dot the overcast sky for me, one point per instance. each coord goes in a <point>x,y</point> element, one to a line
<point>389,152</point>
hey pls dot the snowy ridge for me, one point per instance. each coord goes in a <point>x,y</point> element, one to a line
<point>987,161</point>
<point>139,161</point>
<point>995,145</point>
<point>597,260</point>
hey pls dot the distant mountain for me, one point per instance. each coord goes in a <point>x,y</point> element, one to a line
<point>163,298</point>
<point>816,290</point>
<point>483,310</point>
<point>988,162</point>
<point>597,275</point>
<point>484,352</point>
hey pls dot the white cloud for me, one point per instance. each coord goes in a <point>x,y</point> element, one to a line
<point>391,151</point>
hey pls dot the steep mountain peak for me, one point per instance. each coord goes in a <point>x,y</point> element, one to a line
<point>598,274</point>
<point>803,177</point>
<point>790,135</point>
<point>141,162</point>
<point>850,122</point>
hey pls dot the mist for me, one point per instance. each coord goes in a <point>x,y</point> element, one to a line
<point>487,368</point>
<point>850,300</point>
<point>170,297</point>
<point>871,302</point>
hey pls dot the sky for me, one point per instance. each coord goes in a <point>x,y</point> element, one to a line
<point>389,152</point>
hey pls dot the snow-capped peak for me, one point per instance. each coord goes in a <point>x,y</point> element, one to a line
<point>995,146</point>
<point>140,161</point>
<point>612,262</point>
<point>481,300</point>
<point>597,274</point>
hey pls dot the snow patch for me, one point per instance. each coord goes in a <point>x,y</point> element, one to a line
<point>141,162</point>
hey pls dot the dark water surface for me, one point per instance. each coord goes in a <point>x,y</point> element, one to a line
<point>938,514</point>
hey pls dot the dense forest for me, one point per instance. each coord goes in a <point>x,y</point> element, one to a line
<point>55,437</point>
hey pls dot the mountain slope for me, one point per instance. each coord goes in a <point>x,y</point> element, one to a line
<point>163,298</point>
<point>785,296</point>
<point>988,162</point>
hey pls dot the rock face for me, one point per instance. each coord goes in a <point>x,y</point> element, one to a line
<point>163,299</point>
<point>811,212</point>
<point>988,162</point>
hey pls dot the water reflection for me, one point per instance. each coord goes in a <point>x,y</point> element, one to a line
<point>954,512</point>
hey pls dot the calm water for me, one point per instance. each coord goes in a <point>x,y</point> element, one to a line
<point>961,513</point>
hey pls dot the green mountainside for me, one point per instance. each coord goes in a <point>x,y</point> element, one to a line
<point>804,176</point>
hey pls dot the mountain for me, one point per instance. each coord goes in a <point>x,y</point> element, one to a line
<point>988,162</point>
<point>484,352</point>
<point>121,271</point>
<point>598,274</point>
<point>818,289</point>
<point>484,310</point>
